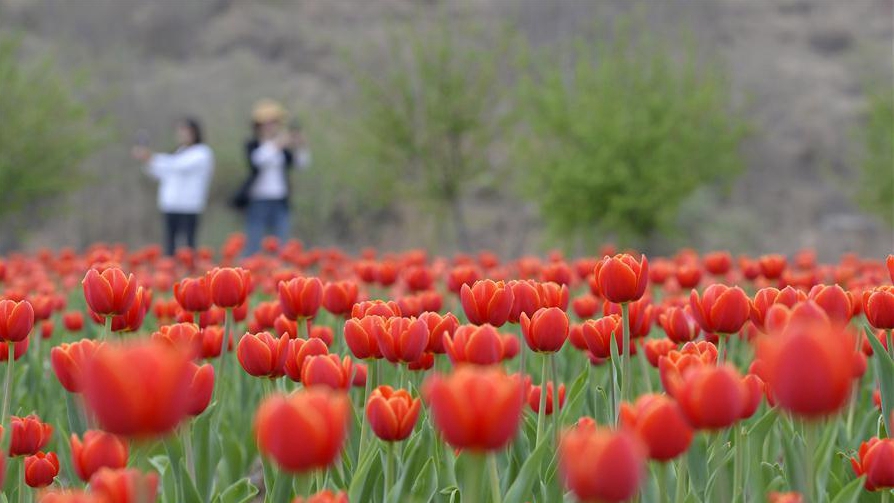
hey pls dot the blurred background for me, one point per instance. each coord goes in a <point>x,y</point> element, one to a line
<point>512,125</point>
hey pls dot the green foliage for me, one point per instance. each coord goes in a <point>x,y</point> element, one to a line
<point>618,140</point>
<point>428,115</point>
<point>45,131</point>
<point>877,167</point>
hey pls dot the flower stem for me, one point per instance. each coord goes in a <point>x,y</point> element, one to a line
<point>364,424</point>
<point>625,358</point>
<point>7,386</point>
<point>389,468</point>
<point>107,328</point>
<point>186,434</point>
<point>541,411</point>
<point>661,475</point>
<point>554,375</point>
<point>682,483</point>
<point>810,464</point>
<point>496,496</point>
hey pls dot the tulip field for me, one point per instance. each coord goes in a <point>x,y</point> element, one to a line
<point>312,375</point>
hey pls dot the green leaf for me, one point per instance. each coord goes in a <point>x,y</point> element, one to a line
<point>884,369</point>
<point>241,491</point>
<point>426,483</point>
<point>364,479</point>
<point>520,490</point>
<point>850,493</point>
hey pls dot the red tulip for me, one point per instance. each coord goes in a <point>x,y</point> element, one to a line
<point>403,339</point>
<point>41,469</point>
<point>262,355</point>
<point>772,265</point>
<point>462,275</point>
<point>546,330</point>
<point>392,413</point>
<point>475,408</point>
<point>621,278</point>
<point>722,309</point>
<point>679,324</point>
<point>477,345</point>
<point>534,398</point>
<point>139,389</point>
<point>601,465</point>
<point>487,302</point>
<point>29,435</point>
<point>212,341</point>
<point>789,497</point>
<point>110,292</point>
<point>339,297</point>
<point>878,306</point>
<point>712,398</point>
<point>656,348</point>
<point>73,321</point>
<point>193,294</point>
<point>639,316</point>
<point>553,294</point>
<point>890,263</point>
<point>598,335</point>
<point>672,366</point>
<point>439,327</point>
<point>688,276</point>
<point>16,320</point>
<point>585,306</point>
<point>836,301</point>
<point>325,496</point>
<point>660,424</point>
<point>19,349</point>
<point>875,460</point>
<point>124,485</point>
<point>525,299</point>
<point>810,367</point>
<point>375,308</point>
<point>98,450</point>
<point>229,286</point>
<point>132,319</point>
<point>185,336</point>
<point>718,263</point>
<point>68,496</point>
<point>362,336</point>
<point>68,361</point>
<point>327,370</point>
<point>200,389</point>
<point>767,297</point>
<point>304,430</point>
<point>300,298</point>
<point>323,333</point>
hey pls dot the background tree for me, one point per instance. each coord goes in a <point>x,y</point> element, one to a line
<point>45,132</point>
<point>616,140</point>
<point>429,113</point>
<point>876,193</point>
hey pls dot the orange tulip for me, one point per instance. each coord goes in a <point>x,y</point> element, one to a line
<point>16,320</point>
<point>772,265</point>
<point>621,278</point>
<point>125,485</point>
<point>110,292</point>
<point>375,308</point>
<point>392,413</point>
<point>41,469</point>
<point>789,497</point>
<point>487,302</point>
<point>229,286</point>
<point>403,339</point>
<point>439,328</point>
<point>875,460</point>
<point>718,263</point>
<point>262,355</point>
<point>68,496</point>
<point>546,331</point>
<point>300,298</point>
<point>475,408</point>
<point>721,309</point>
<point>98,450</point>
<point>29,435</point>
<point>362,336</point>
<point>304,430</point>
<point>477,345</point>
<point>68,361</point>
<point>601,465</point>
<point>139,389</point>
<point>660,424</point>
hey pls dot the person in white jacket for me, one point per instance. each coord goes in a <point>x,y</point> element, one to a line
<point>183,180</point>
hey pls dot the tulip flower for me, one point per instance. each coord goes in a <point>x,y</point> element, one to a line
<point>403,339</point>
<point>810,367</point>
<point>375,308</point>
<point>836,301</point>
<point>439,327</point>
<point>125,485</point>
<point>68,361</point>
<point>212,341</point>
<point>29,435</point>
<point>789,497</point>
<point>64,496</point>
<point>229,286</point>
<point>302,431</point>
<point>73,321</point>
<point>16,320</point>
<point>585,306</point>
<point>875,460</point>
<point>772,265</point>
<point>688,276</point>
<point>477,345</point>
<point>712,398</point>
<point>132,319</point>
<point>19,349</point>
<point>639,316</point>
<point>392,413</point>
<point>546,331</point>
<point>768,297</point>
<point>660,423</point>
<point>200,389</point>
<point>878,306</point>
<point>98,450</point>
<point>679,324</point>
<point>185,336</point>
<point>525,299</point>
<point>325,496</point>
<point>656,348</point>
<point>327,370</point>
<point>41,469</point>
<point>718,263</point>
<point>193,294</point>
<point>362,336</point>
<point>300,298</point>
<point>139,389</point>
<point>533,397</point>
<point>598,464</point>
<point>889,262</point>
<point>262,355</point>
<point>598,335</point>
<point>110,292</point>
<point>339,297</point>
<point>475,408</point>
<point>722,309</point>
<point>621,278</point>
<point>487,302</point>
<point>672,366</point>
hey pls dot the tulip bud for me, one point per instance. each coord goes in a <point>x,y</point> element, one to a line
<point>98,450</point>
<point>392,413</point>
<point>41,469</point>
<point>16,320</point>
<point>587,452</point>
<point>621,278</point>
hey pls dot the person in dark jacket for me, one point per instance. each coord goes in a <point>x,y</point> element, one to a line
<point>271,153</point>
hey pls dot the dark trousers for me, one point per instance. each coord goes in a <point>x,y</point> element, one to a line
<point>266,218</point>
<point>180,227</point>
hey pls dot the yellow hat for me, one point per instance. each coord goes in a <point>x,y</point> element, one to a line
<point>267,110</point>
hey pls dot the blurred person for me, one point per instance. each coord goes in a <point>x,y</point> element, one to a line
<point>183,179</point>
<point>272,152</point>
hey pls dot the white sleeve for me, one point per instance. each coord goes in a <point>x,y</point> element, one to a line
<point>190,159</point>
<point>265,155</point>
